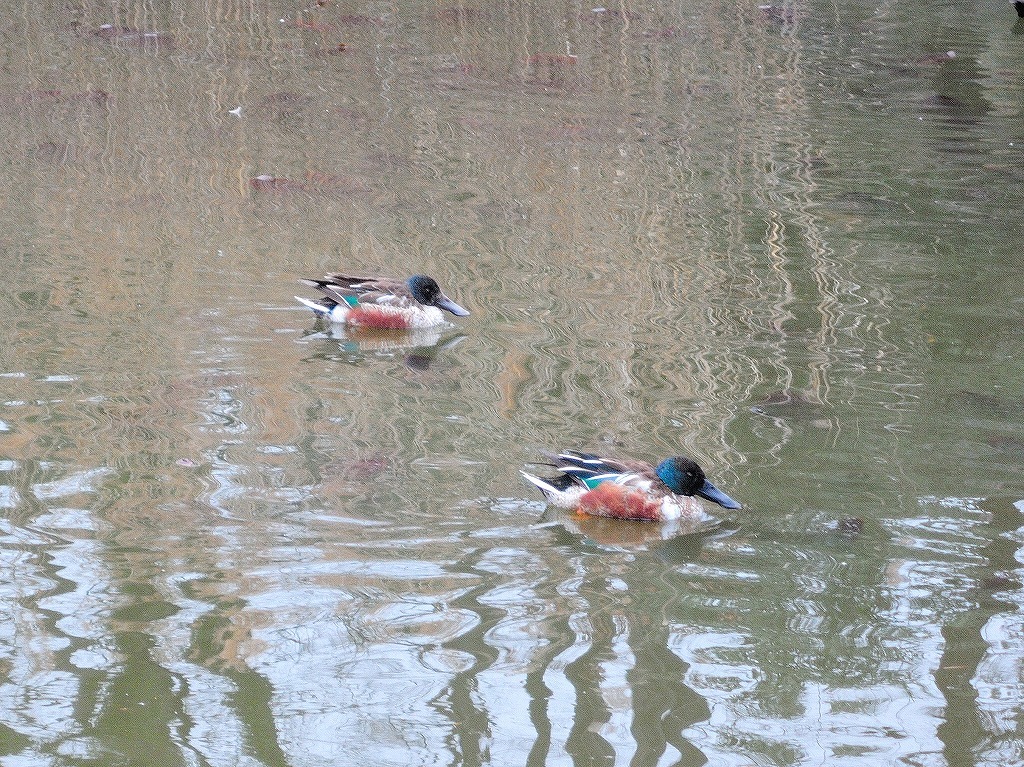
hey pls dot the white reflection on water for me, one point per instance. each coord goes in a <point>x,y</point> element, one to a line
<point>44,618</point>
<point>618,694</point>
<point>85,481</point>
<point>562,693</point>
<point>85,609</point>
<point>999,678</point>
<point>898,715</point>
<point>362,655</point>
<point>214,729</point>
<point>354,668</point>
<point>860,724</point>
<point>381,650</point>
<point>518,638</point>
<point>9,497</point>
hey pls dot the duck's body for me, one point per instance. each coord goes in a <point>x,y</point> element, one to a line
<point>381,302</point>
<point>605,487</point>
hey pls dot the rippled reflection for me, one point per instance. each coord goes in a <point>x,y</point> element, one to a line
<point>782,239</point>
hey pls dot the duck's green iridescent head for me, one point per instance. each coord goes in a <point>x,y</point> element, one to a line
<point>682,475</point>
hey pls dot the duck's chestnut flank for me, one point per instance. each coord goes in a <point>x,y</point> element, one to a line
<point>611,500</point>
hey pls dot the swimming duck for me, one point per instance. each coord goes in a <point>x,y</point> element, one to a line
<point>381,302</point>
<point>625,489</point>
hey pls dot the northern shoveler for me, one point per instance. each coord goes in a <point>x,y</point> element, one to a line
<point>381,302</point>
<point>605,487</point>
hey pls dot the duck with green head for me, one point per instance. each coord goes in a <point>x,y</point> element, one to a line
<point>381,302</point>
<point>628,489</point>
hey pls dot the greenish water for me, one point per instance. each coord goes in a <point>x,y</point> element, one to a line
<point>785,241</point>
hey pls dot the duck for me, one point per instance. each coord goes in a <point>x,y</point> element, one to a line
<point>381,302</point>
<point>629,489</point>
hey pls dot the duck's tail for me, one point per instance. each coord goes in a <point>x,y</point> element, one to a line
<point>562,490</point>
<point>316,306</point>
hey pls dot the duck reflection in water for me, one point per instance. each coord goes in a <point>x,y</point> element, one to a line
<point>419,348</point>
<point>633,535</point>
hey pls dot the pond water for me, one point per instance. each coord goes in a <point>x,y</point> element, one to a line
<point>783,240</point>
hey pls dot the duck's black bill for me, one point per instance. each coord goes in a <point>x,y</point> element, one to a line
<point>450,306</point>
<point>712,493</point>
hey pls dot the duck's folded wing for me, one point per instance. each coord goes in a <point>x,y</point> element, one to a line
<point>590,464</point>
<point>363,284</point>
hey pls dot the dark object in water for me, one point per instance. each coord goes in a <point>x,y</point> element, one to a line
<point>778,14</point>
<point>999,581</point>
<point>790,401</point>
<point>554,70</point>
<point>990,404</point>
<point>365,467</point>
<point>1007,444</point>
<point>796,405</point>
<point>936,58</point>
<point>423,357</point>
<point>1019,7</point>
<point>851,526</point>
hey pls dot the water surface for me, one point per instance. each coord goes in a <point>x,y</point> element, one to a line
<point>783,240</point>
